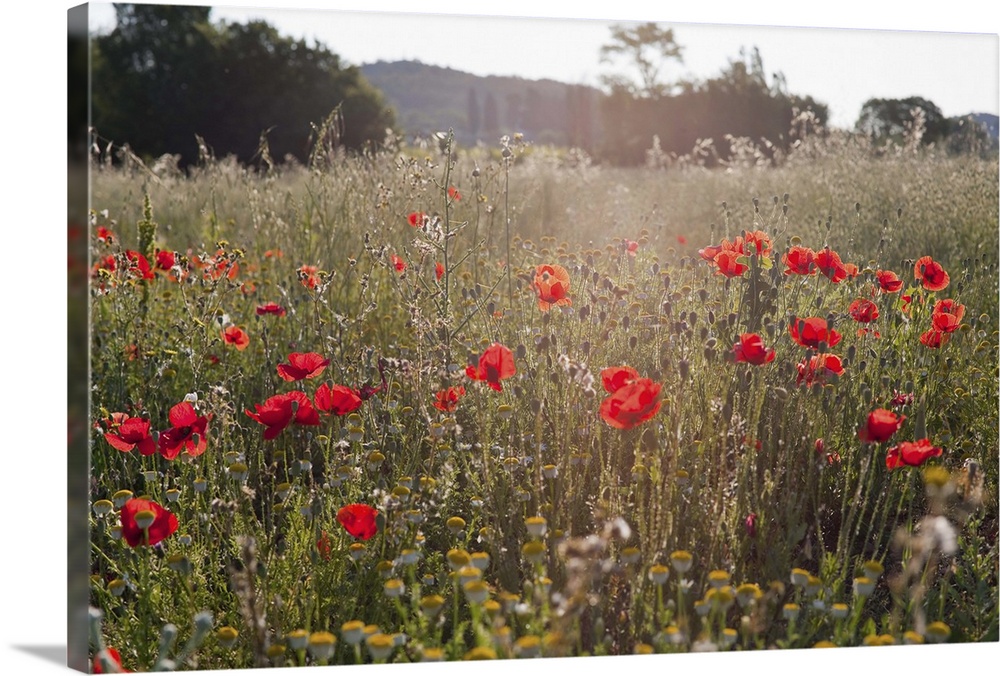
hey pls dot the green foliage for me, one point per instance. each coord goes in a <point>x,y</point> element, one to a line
<point>890,120</point>
<point>646,46</point>
<point>739,103</point>
<point>166,74</point>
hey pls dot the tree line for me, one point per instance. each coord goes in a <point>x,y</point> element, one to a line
<point>167,76</point>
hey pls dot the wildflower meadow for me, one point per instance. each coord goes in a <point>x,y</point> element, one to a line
<point>434,402</point>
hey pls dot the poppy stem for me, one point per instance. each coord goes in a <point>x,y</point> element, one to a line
<point>506,220</point>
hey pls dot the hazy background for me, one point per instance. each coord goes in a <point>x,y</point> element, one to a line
<point>842,68</point>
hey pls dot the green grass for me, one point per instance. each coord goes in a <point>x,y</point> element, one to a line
<point>729,440</point>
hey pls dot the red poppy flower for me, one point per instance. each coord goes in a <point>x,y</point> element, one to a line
<point>934,338</point>
<point>163,524</point>
<point>453,193</point>
<point>398,263</point>
<point>751,350</point>
<point>818,368</point>
<point>107,263</point>
<point>851,269</point>
<point>727,263</point>
<point>951,307</point>
<point>447,400</point>
<point>417,219</point>
<point>216,267</point>
<point>358,520</point>
<point>829,264</point>
<point>881,425</point>
<point>438,271</point>
<point>324,546</point>
<point>616,377</point>
<point>104,235</point>
<point>911,453</point>
<point>187,434</point>
<point>237,337</point>
<point>930,273</point>
<point>339,399</point>
<point>273,253</point>
<point>757,242</point>
<point>901,398</point>
<point>945,322</point>
<point>863,310</point>
<point>799,260</point>
<point>130,433</point>
<point>812,331</point>
<point>632,404</point>
<point>750,523</point>
<point>138,265</point>
<point>281,410</point>
<point>270,309</point>
<point>552,286</point>
<point>631,248</point>
<point>302,365</point>
<point>165,260</point>
<point>710,252</point>
<point>115,657</point>
<point>368,390</point>
<point>888,281</point>
<point>309,276</point>
<point>681,239</point>
<point>872,332</point>
<point>495,364</point>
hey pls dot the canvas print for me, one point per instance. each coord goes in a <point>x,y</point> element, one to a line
<point>408,351</point>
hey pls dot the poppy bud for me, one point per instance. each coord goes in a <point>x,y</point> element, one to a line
<point>685,368</point>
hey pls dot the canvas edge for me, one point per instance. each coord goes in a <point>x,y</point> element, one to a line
<point>78,374</point>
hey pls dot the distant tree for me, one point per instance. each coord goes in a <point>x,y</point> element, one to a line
<point>969,136</point>
<point>152,75</point>
<point>886,120</point>
<point>515,111</point>
<point>165,74</point>
<point>491,118</point>
<point>647,47</point>
<point>579,114</point>
<point>740,102</point>
<point>472,112</point>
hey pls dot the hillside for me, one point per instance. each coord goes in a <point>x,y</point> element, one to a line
<point>431,98</point>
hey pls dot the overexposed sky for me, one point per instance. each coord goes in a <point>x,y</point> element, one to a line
<point>842,68</point>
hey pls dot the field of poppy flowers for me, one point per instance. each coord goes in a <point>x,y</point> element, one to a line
<point>439,403</point>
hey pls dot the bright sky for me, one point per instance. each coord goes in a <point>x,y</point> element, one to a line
<point>958,71</point>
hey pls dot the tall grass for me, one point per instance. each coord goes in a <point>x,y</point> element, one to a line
<point>730,468</point>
